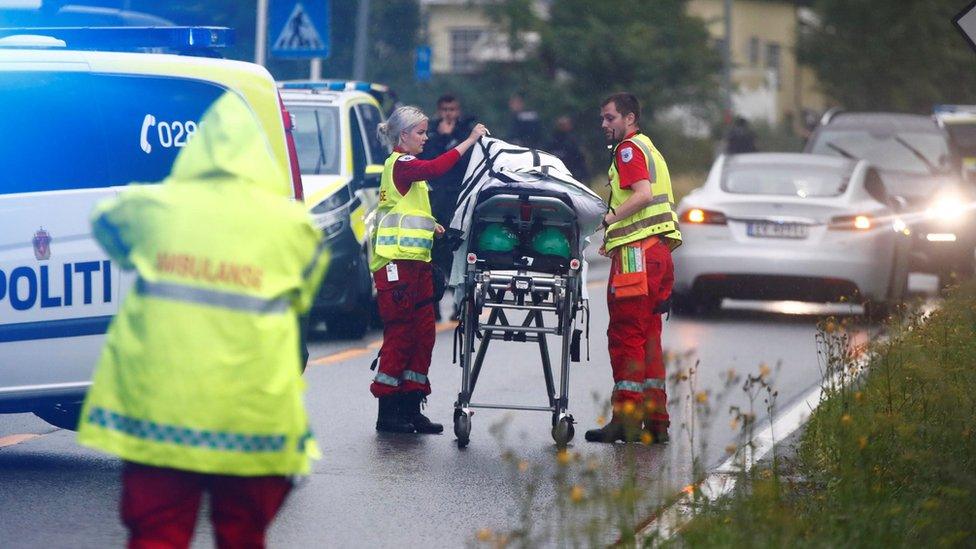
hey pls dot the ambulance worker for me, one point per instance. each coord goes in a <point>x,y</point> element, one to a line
<point>401,266</point>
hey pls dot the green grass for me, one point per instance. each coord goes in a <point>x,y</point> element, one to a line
<point>887,461</point>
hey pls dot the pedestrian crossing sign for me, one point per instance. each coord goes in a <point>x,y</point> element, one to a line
<point>299,28</point>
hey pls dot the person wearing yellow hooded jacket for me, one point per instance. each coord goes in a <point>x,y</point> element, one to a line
<point>198,388</point>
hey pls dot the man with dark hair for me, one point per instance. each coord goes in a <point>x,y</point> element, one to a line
<point>450,128</point>
<point>567,148</point>
<point>641,230</point>
<point>525,128</point>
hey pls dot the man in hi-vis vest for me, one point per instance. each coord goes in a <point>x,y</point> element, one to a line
<point>641,231</point>
<point>199,385</point>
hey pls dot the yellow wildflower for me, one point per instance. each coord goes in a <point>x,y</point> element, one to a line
<point>600,420</point>
<point>846,419</point>
<point>862,442</point>
<point>701,397</point>
<point>628,408</point>
<point>859,396</point>
<point>562,457</point>
<point>577,493</point>
<point>646,438</point>
<point>484,534</point>
<point>523,466</point>
<point>764,370</point>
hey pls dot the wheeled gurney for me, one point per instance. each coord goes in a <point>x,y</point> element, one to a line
<point>523,294</point>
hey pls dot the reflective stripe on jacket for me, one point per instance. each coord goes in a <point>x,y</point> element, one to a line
<point>201,367</point>
<point>405,226</point>
<point>657,218</point>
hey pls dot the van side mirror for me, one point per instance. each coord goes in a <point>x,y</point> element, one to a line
<point>897,203</point>
<point>365,181</point>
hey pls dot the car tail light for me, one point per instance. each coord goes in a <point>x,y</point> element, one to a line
<point>296,172</point>
<point>703,217</point>
<point>852,223</point>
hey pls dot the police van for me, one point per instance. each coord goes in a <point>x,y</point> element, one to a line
<point>84,112</point>
<point>341,161</point>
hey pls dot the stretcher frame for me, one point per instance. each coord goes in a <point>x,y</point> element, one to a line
<point>506,289</point>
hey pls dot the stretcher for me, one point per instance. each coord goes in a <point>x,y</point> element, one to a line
<point>523,294</point>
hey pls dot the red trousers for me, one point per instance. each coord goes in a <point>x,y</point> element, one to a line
<point>407,310</point>
<point>634,335</point>
<point>159,506</point>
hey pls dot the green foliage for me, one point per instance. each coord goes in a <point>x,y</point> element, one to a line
<point>903,56</point>
<point>887,462</point>
<point>588,50</point>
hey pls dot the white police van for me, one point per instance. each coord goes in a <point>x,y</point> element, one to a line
<point>341,160</point>
<point>77,123</point>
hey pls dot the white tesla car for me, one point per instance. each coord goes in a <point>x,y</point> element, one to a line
<point>784,226</point>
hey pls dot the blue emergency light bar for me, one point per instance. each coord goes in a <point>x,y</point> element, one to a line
<point>188,40</point>
<point>948,109</point>
<point>335,85</point>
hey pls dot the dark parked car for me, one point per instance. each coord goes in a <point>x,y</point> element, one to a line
<point>916,163</point>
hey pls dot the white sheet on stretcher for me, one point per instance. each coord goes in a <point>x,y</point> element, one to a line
<point>528,169</point>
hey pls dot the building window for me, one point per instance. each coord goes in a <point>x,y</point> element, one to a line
<point>462,47</point>
<point>754,51</point>
<point>773,61</point>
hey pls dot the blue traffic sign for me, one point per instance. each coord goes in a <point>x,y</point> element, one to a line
<point>299,28</point>
<point>422,68</point>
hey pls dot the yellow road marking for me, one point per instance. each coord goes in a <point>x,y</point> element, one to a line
<point>10,440</point>
<point>347,354</point>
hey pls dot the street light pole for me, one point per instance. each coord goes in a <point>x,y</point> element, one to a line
<point>359,55</point>
<point>260,32</point>
<point>727,60</point>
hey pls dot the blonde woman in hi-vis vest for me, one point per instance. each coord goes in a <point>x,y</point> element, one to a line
<point>402,270</point>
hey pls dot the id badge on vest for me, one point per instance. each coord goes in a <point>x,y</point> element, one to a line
<point>629,276</point>
<point>392,274</point>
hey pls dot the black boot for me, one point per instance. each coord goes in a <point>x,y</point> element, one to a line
<point>658,431</point>
<point>410,411</point>
<point>616,430</point>
<point>389,419</point>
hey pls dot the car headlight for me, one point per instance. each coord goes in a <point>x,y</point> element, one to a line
<point>339,199</point>
<point>947,208</point>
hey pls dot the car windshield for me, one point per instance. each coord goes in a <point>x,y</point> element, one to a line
<point>785,180</point>
<point>919,153</point>
<point>963,135</point>
<point>316,136</point>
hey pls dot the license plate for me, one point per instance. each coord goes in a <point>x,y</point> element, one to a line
<point>765,229</point>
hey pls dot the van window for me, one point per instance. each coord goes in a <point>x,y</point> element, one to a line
<point>317,139</point>
<point>358,149</point>
<point>80,130</point>
<point>371,118</point>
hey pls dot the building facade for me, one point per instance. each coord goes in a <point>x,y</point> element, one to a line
<point>769,85</point>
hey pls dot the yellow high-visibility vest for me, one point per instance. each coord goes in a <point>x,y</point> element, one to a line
<point>405,224</point>
<point>657,218</point>
<point>201,367</point>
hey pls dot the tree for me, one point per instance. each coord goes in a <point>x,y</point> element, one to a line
<point>902,56</point>
<point>588,50</point>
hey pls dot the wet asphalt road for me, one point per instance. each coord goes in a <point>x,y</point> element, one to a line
<point>382,490</point>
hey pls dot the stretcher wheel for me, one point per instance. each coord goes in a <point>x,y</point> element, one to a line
<point>462,428</point>
<point>563,431</point>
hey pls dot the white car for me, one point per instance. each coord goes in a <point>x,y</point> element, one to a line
<point>784,226</point>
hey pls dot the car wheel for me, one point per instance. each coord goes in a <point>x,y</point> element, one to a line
<point>350,325</point>
<point>682,304</point>
<point>876,311</point>
<point>693,304</point>
<point>61,415</point>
